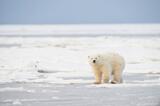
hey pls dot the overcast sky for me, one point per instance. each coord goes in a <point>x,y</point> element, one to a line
<point>79,11</point>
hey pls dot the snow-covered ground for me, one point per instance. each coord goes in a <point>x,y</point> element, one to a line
<point>54,71</point>
<point>51,59</point>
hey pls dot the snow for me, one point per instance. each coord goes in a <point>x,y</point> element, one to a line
<point>38,70</point>
<point>52,59</point>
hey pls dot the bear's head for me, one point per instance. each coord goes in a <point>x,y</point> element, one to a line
<point>95,59</point>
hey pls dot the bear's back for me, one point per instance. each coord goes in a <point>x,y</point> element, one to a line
<point>113,58</point>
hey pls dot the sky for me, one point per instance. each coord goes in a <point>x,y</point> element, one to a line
<point>79,11</point>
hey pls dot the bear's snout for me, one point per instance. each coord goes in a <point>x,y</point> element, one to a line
<point>94,61</point>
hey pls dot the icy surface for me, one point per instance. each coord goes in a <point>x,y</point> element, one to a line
<point>54,71</point>
<point>79,29</point>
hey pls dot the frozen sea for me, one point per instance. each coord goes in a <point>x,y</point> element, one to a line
<point>54,71</point>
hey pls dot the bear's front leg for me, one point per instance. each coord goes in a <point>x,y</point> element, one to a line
<point>98,76</point>
<point>106,73</point>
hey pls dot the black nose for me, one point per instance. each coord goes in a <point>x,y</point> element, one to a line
<point>94,61</point>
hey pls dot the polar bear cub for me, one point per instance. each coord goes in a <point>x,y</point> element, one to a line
<point>106,67</point>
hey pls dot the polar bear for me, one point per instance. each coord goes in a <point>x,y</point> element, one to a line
<point>106,67</point>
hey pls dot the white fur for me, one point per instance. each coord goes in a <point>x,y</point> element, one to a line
<point>106,67</point>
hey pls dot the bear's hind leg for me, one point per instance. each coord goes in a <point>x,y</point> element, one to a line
<point>117,78</point>
<point>117,75</point>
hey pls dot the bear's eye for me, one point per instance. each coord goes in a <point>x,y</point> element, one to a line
<point>96,58</point>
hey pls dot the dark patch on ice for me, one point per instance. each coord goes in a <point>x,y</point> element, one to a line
<point>154,73</point>
<point>49,71</point>
<point>2,66</point>
<point>134,62</point>
<point>9,45</point>
<point>60,45</point>
<point>46,71</point>
<point>154,59</point>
